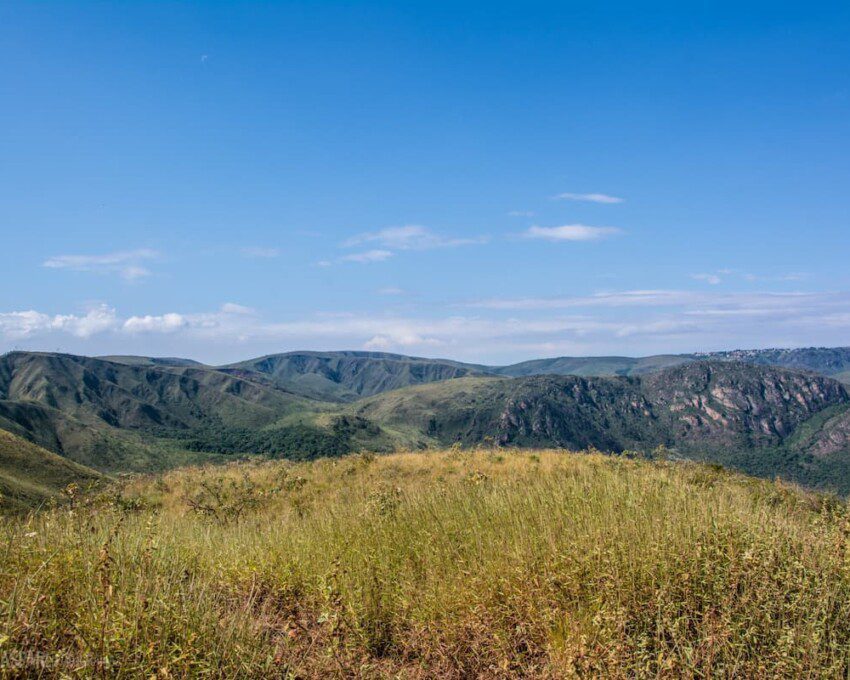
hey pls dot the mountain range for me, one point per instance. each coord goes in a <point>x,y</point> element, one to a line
<point>767,412</point>
<point>347,376</point>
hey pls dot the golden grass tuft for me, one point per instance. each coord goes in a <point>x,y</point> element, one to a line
<point>421,565</point>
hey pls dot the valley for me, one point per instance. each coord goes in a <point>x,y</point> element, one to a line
<point>745,410</point>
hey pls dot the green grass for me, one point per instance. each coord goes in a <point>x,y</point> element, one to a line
<point>843,376</point>
<point>31,476</point>
<point>442,564</point>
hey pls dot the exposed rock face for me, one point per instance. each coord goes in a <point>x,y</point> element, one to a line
<point>575,412</point>
<point>721,402</point>
<point>698,406</point>
<point>833,437</point>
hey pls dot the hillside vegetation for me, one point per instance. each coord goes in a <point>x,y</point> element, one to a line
<point>142,416</point>
<point>30,476</point>
<point>115,417</point>
<point>593,366</point>
<point>348,376</point>
<point>829,361</point>
<point>762,420</point>
<point>447,564</point>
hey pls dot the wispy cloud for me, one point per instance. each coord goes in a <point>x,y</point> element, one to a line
<point>410,237</point>
<point>390,290</point>
<point>233,308</point>
<point>589,198</point>
<point>711,279</point>
<point>522,213</point>
<point>662,298</point>
<point>367,256</point>
<point>721,275</point>
<point>259,252</point>
<point>627,298</point>
<point>571,232</point>
<point>126,264</point>
<point>392,240</point>
<point>624,322</point>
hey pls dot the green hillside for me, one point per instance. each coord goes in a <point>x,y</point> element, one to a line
<point>347,376</point>
<point>127,396</point>
<point>140,416</point>
<point>744,416</point>
<point>134,360</point>
<point>591,366</point>
<point>114,416</point>
<point>829,361</point>
<point>350,375</point>
<point>30,475</point>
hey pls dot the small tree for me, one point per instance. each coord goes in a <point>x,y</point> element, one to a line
<point>225,500</point>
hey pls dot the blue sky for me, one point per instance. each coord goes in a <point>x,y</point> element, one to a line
<point>484,181</point>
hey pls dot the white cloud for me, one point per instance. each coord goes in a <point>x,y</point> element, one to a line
<point>230,315</point>
<point>133,272</point>
<point>124,263</point>
<point>233,308</point>
<point>711,279</point>
<point>16,325</point>
<point>631,322</point>
<point>376,255</point>
<point>665,298</point>
<point>165,323</point>
<point>571,232</point>
<point>636,298</point>
<point>390,290</point>
<point>715,278</point>
<point>522,213</point>
<point>589,198</point>
<point>409,237</point>
<point>400,340</point>
<point>394,239</point>
<point>96,320</point>
<point>20,325</point>
<point>257,252</point>
<point>791,276</point>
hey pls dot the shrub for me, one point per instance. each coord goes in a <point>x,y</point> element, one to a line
<point>223,499</point>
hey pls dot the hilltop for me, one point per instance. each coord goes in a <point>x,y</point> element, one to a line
<point>348,376</point>
<point>351,375</point>
<point>443,564</point>
<point>829,361</point>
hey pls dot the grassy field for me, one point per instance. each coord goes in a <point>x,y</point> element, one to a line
<point>444,564</point>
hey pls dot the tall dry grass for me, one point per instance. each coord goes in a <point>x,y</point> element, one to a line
<point>448,564</point>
